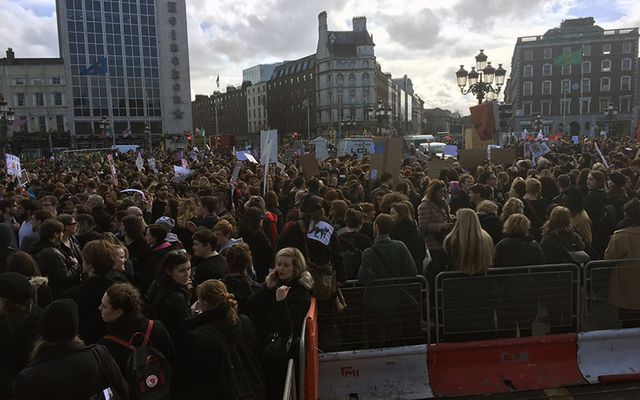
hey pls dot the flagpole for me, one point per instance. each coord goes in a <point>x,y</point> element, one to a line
<point>110,106</point>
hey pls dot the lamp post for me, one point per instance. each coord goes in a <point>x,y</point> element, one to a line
<point>103,127</point>
<point>481,78</point>
<point>383,114</point>
<point>147,135</point>
<point>7,116</point>
<point>348,122</point>
<point>610,115</point>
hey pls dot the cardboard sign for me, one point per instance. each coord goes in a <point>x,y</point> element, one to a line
<point>503,156</point>
<point>309,165</point>
<point>393,156</point>
<point>435,167</point>
<point>471,158</point>
<point>322,153</point>
<point>13,165</point>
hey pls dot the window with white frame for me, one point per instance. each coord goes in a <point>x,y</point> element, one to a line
<point>57,99</point>
<point>566,50</point>
<point>546,87</point>
<point>21,100</point>
<point>565,86</point>
<point>565,106</point>
<point>547,53</point>
<point>39,99</point>
<point>42,123</point>
<point>19,81</point>
<point>606,48</point>
<point>605,84</point>
<point>625,104</point>
<point>566,69</point>
<point>527,71</point>
<point>585,105</point>
<point>586,67</point>
<point>528,54</point>
<point>527,89</point>
<point>626,47</point>
<point>527,108</point>
<point>625,83</point>
<point>545,107</point>
<point>625,64</point>
<point>547,69</point>
<point>585,85</point>
<point>605,66</point>
<point>603,104</point>
<point>56,80</point>
<point>586,49</point>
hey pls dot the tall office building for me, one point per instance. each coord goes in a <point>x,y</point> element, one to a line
<point>127,64</point>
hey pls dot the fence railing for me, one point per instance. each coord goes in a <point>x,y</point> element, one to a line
<point>611,294</point>
<point>290,392</point>
<point>391,312</point>
<point>507,302</point>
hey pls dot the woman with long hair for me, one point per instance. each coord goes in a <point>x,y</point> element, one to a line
<point>518,188</point>
<point>22,263</point>
<point>214,331</point>
<point>253,235</point>
<point>156,239</point>
<point>435,221</point>
<point>559,237</point>
<point>237,279</point>
<point>187,212</point>
<point>573,199</point>
<point>405,229</point>
<point>468,247</point>
<point>134,231</point>
<point>279,307</point>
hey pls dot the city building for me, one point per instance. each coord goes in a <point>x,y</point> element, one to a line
<point>232,111</point>
<point>257,116</point>
<point>291,97</point>
<point>35,89</point>
<point>204,117</point>
<point>259,73</point>
<point>579,77</point>
<point>346,73</point>
<point>127,64</point>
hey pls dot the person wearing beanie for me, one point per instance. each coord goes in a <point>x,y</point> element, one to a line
<point>18,321</point>
<point>62,367</point>
<point>169,224</point>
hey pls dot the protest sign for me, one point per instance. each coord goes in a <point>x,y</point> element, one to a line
<point>185,163</point>
<point>140,163</point>
<point>435,167</point>
<point>393,156</point>
<point>503,156</point>
<point>152,165</point>
<point>268,152</point>
<point>322,153</point>
<point>309,165</point>
<point>471,158</point>
<point>575,139</point>
<point>604,161</point>
<point>181,173</point>
<point>451,150</point>
<point>13,164</point>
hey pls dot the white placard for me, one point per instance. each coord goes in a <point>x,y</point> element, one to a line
<point>152,165</point>
<point>321,232</point>
<point>13,165</point>
<point>181,173</point>
<point>270,154</point>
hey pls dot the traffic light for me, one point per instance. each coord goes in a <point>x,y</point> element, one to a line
<point>189,138</point>
<point>294,136</point>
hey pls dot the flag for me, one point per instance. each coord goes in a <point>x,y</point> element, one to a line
<point>127,132</point>
<point>99,68</point>
<point>485,118</point>
<point>18,122</point>
<point>197,131</point>
<point>305,103</point>
<point>574,57</point>
<point>218,81</point>
<point>202,132</point>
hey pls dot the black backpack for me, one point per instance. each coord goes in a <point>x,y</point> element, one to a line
<point>351,255</point>
<point>148,370</point>
<point>242,370</point>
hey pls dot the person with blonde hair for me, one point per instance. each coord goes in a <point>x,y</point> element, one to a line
<point>489,221</point>
<point>187,212</point>
<point>278,309</point>
<point>468,247</point>
<point>559,237</point>
<point>518,247</point>
<point>215,330</point>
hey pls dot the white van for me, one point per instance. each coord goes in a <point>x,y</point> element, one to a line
<point>350,146</point>
<point>416,140</point>
<point>432,148</point>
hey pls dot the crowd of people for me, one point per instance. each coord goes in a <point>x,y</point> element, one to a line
<point>218,271</point>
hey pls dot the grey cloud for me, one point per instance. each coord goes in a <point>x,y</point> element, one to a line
<point>419,31</point>
<point>481,15</point>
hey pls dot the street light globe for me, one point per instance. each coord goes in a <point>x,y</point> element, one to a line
<point>461,76</point>
<point>481,60</point>
<point>489,73</point>
<point>473,76</point>
<point>501,73</point>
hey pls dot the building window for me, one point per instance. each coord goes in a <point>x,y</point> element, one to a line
<point>528,54</point>
<point>625,64</point>
<point>546,87</point>
<point>586,49</point>
<point>586,67</point>
<point>605,66</point>
<point>565,106</point>
<point>626,47</point>
<point>625,104</point>
<point>547,69</point>
<point>60,123</point>
<point>603,104</point>
<point>526,108</point>
<point>605,84</point>
<point>57,99</point>
<point>42,123</point>
<point>527,89</point>
<point>565,86</point>
<point>586,85</point>
<point>19,81</point>
<point>566,69</point>
<point>528,71</point>
<point>545,107</point>
<point>606,48</point>
<point>37,81</point>
<point>21,100</point>
<point>39,99</point>
<point>566,50</point>
<point>585,105</point>
<point>625,83</point>
<point>547,53</point>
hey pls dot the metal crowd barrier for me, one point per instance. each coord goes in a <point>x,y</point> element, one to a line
<point>391,312</point>
<point>608,286</point>
<point>290,382</point>
<point>507,302</point>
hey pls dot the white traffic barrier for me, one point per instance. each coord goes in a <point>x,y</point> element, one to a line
<point>609,353</point>
<point>398,373</point>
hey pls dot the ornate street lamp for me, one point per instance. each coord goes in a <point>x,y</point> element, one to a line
<point>610,115</point>
<point>481,79</point>
<point>147,135</point>
<point>383,114</point>
<point>348,122</point>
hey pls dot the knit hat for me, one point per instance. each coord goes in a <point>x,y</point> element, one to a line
<point>15,287</point>
<point>59,321</point>
<point>618,179</point>
<point>167,223</point>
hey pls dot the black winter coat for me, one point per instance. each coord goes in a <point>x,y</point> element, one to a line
<point>492,225</point>
<point>261,252</point>
<point>594,205</point>
<point>210,268</point>
<point>556,244</point>
<point>242,288</point>
<point>125,327</point>
<point>170,305</point>
<point>61,271</point>
<point>408,233</point>
<point>88,296</point>
<point>208,336</point>
<point>515,251</point>
<point>70,371</point>
<point>18,331</point>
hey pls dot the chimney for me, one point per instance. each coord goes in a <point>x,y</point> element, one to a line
<point>360,24</point>
<point>322,21</point>
<point>323,36</point>
<point>11,56</point>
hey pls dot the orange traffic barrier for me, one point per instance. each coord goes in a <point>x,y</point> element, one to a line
<point>503,365</point>
<point>311,351</point>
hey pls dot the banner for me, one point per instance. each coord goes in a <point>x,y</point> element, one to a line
<point>485,118</point>
<point>13,165</point>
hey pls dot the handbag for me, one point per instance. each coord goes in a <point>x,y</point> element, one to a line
<point>280,349</point>
<point>579,257</point>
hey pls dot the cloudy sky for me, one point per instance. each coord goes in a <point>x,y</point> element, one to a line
<point>427,40</point>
